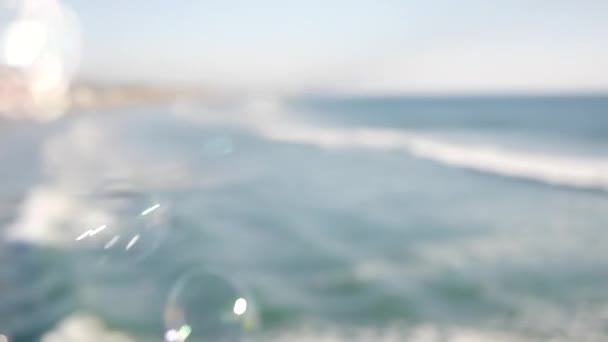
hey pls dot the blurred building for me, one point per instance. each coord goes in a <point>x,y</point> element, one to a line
<point>28,95</point>
<point>38,93</point>
<point>15,94</point>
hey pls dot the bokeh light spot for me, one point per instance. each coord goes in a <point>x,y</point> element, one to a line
<point>25,41</point>
<point>240,306</point>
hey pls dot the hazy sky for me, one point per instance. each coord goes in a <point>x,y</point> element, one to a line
<point>377,46</point>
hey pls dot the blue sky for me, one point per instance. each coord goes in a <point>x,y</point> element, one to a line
<point>361,46</point>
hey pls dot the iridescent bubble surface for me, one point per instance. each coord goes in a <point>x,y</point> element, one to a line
<point>131,225</point>
<point>206,306</point>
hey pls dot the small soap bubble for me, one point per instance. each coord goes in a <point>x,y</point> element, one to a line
<point>130,226</point>
<point>205,306</point>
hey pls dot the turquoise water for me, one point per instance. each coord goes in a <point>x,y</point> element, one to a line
<point>336,219</point>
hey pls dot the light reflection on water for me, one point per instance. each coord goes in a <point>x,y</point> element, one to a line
<point>422,242</point>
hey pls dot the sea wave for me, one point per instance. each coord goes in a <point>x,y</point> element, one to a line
<point>588,173</point>
<point>81,327</point>
<point>571,171</point>
<point>421,333</point>
<point>273,121</point>
<point>429,332</point>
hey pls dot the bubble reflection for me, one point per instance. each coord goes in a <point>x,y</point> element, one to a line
<point>240,306</point>
<point>205,306</point>
<point>132,225</point>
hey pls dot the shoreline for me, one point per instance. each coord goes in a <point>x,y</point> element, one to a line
<point>96,98</point>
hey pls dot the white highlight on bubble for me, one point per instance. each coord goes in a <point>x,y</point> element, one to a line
<point>240,306</point>
<point>132,242</point>
<point>171,335</point>
<point>91,232</point>
<point>151,209</point>
<point>112,242</point>
<point>25,41</point>
<point>83,235</point>
<point>99,229</point>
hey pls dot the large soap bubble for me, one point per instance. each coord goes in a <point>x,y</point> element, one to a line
<point>205,306</point>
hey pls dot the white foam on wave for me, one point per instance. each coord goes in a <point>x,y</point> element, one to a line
<point>588,173</point>
<point>84,328</point>
<point>75,161</point>
<point>81,327</point>
<point>591,173</point>
<point>543,326</point>
<point>270,120</point>
<point>420,333</point>
<point>44,213</point>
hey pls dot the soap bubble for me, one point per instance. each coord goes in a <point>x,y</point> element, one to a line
<point>130,226</point>
<point>204,306</point>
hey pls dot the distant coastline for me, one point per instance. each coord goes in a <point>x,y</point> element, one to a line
<point>91,96</point>
<point>40,96</point>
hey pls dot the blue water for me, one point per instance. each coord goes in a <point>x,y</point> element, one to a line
<point>376,219</point>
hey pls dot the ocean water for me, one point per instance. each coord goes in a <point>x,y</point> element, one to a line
<point>375,219</point>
